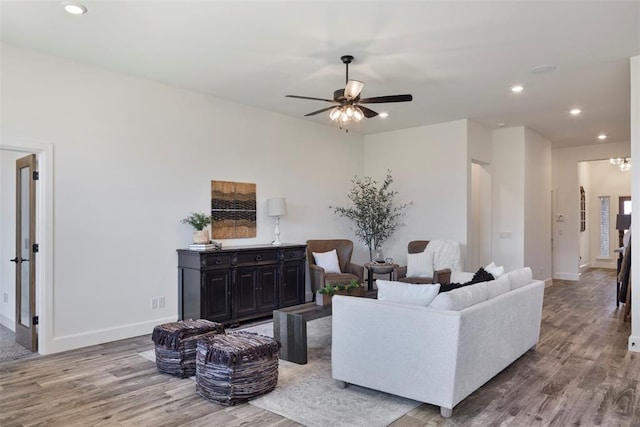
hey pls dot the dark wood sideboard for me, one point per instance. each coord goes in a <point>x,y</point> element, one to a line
<point>240,283</point>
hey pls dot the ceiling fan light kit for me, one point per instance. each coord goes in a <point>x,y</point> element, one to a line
<point>347,106</point>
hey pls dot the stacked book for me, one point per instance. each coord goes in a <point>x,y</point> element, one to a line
<point>204,246</point>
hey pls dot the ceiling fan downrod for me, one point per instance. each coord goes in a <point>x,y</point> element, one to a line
<point>346,60</point>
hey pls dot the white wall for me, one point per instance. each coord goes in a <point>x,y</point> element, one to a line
<point>429,166</point>
<point>480,196</point>
<point>566,185</point>
<point>507,170</point>
<point>133,157</point>
<point>8,237</point>
<point>537,204</point>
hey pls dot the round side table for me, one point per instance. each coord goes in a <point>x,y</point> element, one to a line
<point>376,268</point>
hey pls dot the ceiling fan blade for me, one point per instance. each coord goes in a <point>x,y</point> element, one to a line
<point>319,111</point>
<point>353,89</point>
<point>368,112</point>
<point>389,98</point>
<point>308,97</point>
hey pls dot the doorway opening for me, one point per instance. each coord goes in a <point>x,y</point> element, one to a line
<point>43,265</point>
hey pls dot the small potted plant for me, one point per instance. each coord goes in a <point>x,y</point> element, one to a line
<point>324,294</point>
<point>199,221</point>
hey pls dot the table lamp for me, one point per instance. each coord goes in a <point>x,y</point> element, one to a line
<point>277,207</point>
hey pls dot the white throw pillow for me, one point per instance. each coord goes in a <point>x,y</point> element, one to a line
<point>328,261</point>
<point>420,264</point>
<point>406,293</point>
<point>494,270</point>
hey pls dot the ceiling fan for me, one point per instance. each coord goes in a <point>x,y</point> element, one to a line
<point>346,103</point>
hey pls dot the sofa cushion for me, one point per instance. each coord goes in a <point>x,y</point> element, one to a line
<point>328,261</point>
<point>499,286</point>
<point>520,277</point>
<point>420,264</point>
<point>406,293</point>
<point>461,298</point>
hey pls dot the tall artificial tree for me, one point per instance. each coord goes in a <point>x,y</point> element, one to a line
<point>373,212</point>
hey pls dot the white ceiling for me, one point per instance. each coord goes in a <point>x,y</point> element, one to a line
<point>458,59</point>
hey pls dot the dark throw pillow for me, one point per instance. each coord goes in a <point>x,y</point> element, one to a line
<point>480,276</point>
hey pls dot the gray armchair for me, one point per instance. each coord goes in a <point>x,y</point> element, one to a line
<point>442,276</point>
<point>349,270</point>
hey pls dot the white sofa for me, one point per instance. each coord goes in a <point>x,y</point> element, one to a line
<point>436,355</point>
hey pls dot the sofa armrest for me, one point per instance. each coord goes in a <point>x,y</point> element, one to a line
<point>442,276</point>
<point>355,269</point>
<point>316,277</point>
<point>409,350</point>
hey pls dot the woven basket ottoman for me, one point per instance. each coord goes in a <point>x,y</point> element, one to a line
<point>236,367</point>
<point>176,345</point>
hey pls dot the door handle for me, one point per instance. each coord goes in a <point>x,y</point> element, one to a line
<point>14,260</point>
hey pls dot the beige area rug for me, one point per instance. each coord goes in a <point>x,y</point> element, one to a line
<point>308,394</point>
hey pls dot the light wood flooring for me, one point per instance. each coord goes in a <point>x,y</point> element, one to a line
<point>580,374</point>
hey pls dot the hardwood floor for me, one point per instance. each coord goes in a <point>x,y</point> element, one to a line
<point>580,374</point>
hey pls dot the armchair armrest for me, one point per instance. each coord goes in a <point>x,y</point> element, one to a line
<point>442,276</point>
<point>399,272</point>
<point>355,269</point>
<point>316,277</point>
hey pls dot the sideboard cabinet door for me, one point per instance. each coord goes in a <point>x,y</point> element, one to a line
<point>216,291</point>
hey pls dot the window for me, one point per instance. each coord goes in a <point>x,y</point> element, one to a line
<point>624,205</point>
<point>604,226</point>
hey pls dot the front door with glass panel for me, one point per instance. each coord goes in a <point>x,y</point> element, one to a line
<point>26,330</point>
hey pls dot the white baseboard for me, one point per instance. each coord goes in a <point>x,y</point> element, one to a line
<point>548,282</point>
<point>634,344</point>
<point>567,276</point>
<point>71,342</point>
<point>584,267</point>
<point>9,323</point>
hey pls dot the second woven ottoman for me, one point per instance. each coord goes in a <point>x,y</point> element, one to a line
<point>176,345</point>
<point>236,367</point>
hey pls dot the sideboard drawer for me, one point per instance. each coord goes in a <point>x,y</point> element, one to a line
<point>215,260</point>
<point>294,254</point>
<point>257,256</point>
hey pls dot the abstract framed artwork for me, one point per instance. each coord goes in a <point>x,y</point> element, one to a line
<point>233,209</point>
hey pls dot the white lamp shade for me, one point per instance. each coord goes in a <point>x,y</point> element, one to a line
<point>276,207</point>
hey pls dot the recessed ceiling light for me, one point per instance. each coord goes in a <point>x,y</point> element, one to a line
<point>602,137</point>
<point>543,69</point>
<point>501,125</point>
<point>517,88</point>
<point>383,115</point>
<point>74,8</point>
<point>575,111</point>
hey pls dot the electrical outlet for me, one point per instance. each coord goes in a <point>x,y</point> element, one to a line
<point>161,302</point>
<point>154,303</point>
<point>5,297</point>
